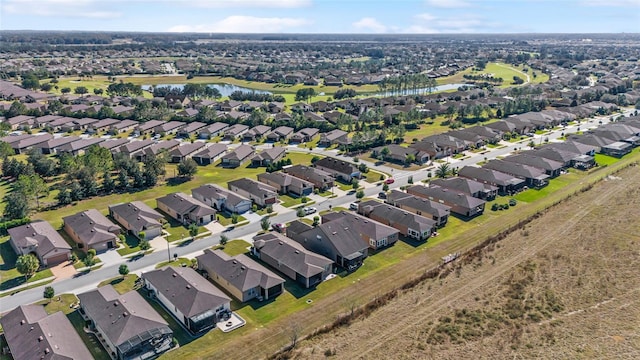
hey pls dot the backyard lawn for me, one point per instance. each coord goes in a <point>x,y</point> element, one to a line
<point>602,159</point>
<point>89,340</point>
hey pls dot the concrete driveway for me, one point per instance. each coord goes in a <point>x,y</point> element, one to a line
<point>110,257</point>
<point>63,271</point>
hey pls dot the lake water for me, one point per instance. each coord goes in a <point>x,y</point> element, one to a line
<point>225,89</point>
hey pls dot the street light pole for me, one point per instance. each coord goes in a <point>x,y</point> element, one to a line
<point>168,251</point>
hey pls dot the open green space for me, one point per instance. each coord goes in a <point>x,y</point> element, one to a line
<point>206,174</point>
<point>605,160</point>
<point>555,184</point>
<point>121,284</point>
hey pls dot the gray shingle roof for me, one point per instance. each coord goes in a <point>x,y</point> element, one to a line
<point>240,271</point>
<point>122,317</point>
<point>291,254</point>
<point>91,226</point>
<point>39,233</point>
<point>32,334</point>
<point>138,214</point>
<point>187,290</point>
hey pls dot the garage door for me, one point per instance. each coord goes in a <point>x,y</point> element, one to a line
<point>55,260</point>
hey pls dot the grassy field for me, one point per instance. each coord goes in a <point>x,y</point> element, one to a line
<point>534,295</point>
<point>60,302</point>
<point>498,70</point>
<point>235,247</point>
<point>206,174</point>
<point>178,262</point>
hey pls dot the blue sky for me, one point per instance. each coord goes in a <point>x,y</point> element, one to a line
<point>325,16</point>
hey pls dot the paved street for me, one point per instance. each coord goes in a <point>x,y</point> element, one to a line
<point>84,282</point>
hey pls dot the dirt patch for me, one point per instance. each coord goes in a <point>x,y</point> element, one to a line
<point>565,286</point>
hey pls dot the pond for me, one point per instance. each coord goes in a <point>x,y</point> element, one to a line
<point>225,89</point>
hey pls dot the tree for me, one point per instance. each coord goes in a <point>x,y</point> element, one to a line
<point>193,230</point>
<point>223,240</point>
<point>5,150</point>
<point>16,206</point>
<point>32,186</point>
<point>531,144</point>
<point>89,261</point>
<point>27,265</point>
<point>359,194</point>
<point>30,81</point>
<point>144,245</point>
<point>443,171</point>
<point>98,91</point>
<point>187,168</point>
<point>354,183</point>
<point>49,293</point>
<point>108,184</point>
<point>234,218</point>
<point>123,270</point>
<point>384,152</point>
<point>64,197</point>
<point>123,179</point>
<point>300,212</point>
<point>81,90</point>
<point>265,223</point>
<point>316,220</point>
<point>385,187</point>
<point>409,159</point>
<point>65,90</point>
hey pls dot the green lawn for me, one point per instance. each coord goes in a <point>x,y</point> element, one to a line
<point>225,219</point>
<point>121,284</point>
<point>289,201</point>
<point>205,175</point>
<point>178,262</point>
<point>561,181</point>
<point>372,176</point>
<point>89,340</point>
<point>235,247</point>
<point>131,244</point>
<point>63,304</point>
<point>602,159</point>
<point>179,333</point>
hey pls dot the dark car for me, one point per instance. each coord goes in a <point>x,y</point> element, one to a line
<point>382,195</point>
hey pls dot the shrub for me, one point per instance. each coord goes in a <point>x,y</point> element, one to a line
<point>144,245</point>
<point>91,252</point>
<point>512,202</point>
<point>254,207</point>
<point>304,200</point>
<point>300,212</point>
<point>142,235</point>
<point>234,218</point>
<point>270,208</point>
<point>74,258</point>
<point>494,207</point>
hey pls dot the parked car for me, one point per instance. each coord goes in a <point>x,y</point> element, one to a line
<point>279,227</point>
<point>382,195</point>
<point>309,210</point>
<point>389,181</point>
<point>353,206</point>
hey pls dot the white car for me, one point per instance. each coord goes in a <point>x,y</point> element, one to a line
<point>309,210</point>
<point>353,206</point>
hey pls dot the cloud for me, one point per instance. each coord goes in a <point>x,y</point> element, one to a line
<point>60,8</point>
<point>448,4</point>
<point>244,24</point>
<point>370,24</point>
<point>287,4</point>
<point>612,3</point>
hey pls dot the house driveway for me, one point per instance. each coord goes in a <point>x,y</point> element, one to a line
<point>252,217</point>
<point>63,270</point>
<point>215,227</point>
<point>110,257</point>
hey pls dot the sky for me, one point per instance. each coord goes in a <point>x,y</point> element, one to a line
<point>325,16</point>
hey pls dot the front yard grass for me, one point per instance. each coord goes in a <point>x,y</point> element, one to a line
<point>8,272</point>
<point>225,219</point>
<point>55,305</point>
<point>179,262</point>
<point>289,201</point>
<point>373,176</point>
<point>131,245</point>
<point>121,284</point>
<point>234,247</point>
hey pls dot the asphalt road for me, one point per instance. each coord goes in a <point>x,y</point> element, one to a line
<point>90,280</point>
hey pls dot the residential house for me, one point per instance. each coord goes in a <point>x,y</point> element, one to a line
<point>133,147</point>
<point>189,297</point>
<point>213,130</point>
<point>566,158</point>
<point>186,209</point>
<point>617,149</point>
<point>533,176</point>
<point>184,151</point>
<point>506,184</point>
<point>261,194</point>
<point>320,179</point>
<point>41,239</point>
<point>238,156</point>
<point>400,154</point>
<point>281,133</point>
<point>305,267</point>
<point>78,147</point>
<point>31,333</point>
<point>191,128</point>
<point>240,276</point>
<point>138,218</point>
<point>287,184</point>
<point>102,125</point>
<point>222,199</point>
<point>467,186</point>
<point>373,233</point>
<point>420,206</point>
<point>169,127</point>
<point>113,144</point>
<point>51,146</point>
<point>42,121</point>
<point>33,141</point>
<point>147,128</point>
<point>156,148</point>
<point>210,155</point>
<point>340,169</point>
<point>90,229</point>
<point>256,133</point>
<point>20,121</point>
<point>433,150</point>
<point>268,156</point>
<point>343,245</point>
<point>129,327</point>
<point>123,126</point>
<point>408,224</point>
<point>332,137</point>
<point>551,167</point>
<point>234,132</point>
<point>304,135</point>
<point>460,203</point>
<point>446,141</point>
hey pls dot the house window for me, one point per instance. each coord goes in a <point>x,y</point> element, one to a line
<point>372,242</point>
